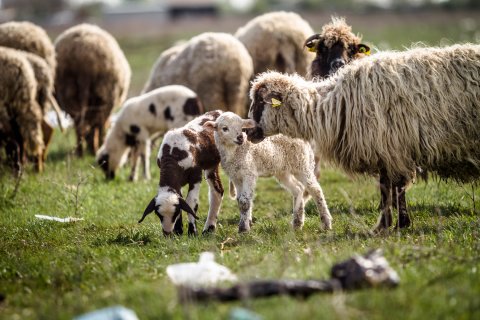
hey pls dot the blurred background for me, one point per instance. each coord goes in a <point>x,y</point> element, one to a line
<point>144,28</point>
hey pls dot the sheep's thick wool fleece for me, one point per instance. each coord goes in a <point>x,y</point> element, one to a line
<point>274,40</point>
<point>395,110</point>
<point>18,90</point>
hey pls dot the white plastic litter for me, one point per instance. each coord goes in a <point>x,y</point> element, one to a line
<point>64,220</point>
<point>205,272</point>
<point>51,118</point>
<point>112,313</point>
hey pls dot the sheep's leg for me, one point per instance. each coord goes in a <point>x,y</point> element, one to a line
<point>385,220</point>
<point>403,217</point>
<point>192,200</point>
<point>296,189</point>
<point>215,196</point>
<point>315,190</point>
<point>245,193</point>
<point>80,139</point>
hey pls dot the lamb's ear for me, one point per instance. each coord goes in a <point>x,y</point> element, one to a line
<point>149,209</point>
<point>248,124</point>
<point>185,207</point>
<point>211,125</point>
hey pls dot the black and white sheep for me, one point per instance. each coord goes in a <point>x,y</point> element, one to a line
<point>140,118</point>
<point>290,161</point>
<point>275,42</point>
<point>93,77</point>
<point>217,66</point>
<point>386,114</point>
<point>184,155</point>
<point>20,114</point>
<point>334,47</point>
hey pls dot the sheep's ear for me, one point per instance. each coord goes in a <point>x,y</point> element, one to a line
<point>185,207</point>
<point>248,124</point>
<point>149,209</point>
<point>57,110</point>
<point>210,125</point>
<point>363,48</point>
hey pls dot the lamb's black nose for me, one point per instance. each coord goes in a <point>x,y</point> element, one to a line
<point>240,138</point>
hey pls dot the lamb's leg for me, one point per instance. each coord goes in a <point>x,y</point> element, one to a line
<point>296,189</point>
<point>192,200</point>
<point>385,220</point>
<point>215,196</point>
<point>403,216</point>
<point>245,191</point>
<point>313,187</point>
<point>146,149</point>
<point>134,158</point>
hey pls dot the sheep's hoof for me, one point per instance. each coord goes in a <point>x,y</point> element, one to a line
<point>244,226</point>
<point>192,230</point>
<point>297,223</point>
<point>210,229</point>
<point>327,222</point>
<point>403,221</point>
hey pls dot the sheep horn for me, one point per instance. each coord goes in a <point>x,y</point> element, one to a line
<point>309,42</point>
<point>58,112</point>
<point>149,209</point>
<point>185,207</point>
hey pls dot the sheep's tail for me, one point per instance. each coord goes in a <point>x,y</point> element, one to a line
<point>232,190</point>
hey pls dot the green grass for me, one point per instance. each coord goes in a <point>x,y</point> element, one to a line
<point>50,270</point>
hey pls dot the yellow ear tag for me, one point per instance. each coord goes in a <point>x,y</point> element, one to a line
<point>276,103</point>
<point>364,51</point>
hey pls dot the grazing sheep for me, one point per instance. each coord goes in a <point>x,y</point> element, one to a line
<point>141,117</point>
<point>93,77</point>
<point>29,37</point>
<point>289,160</point>
<point>44,95</point>
<point>385,114</point>
<point>214,65</point>
<point>20,114</point>
<point>186,152</point>
<point>274,41</point>
<point>334,47</point>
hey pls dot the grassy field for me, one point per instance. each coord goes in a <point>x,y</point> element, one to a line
<point>50,270</point>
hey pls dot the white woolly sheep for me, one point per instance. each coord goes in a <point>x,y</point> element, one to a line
<point>185,153</point>
<point>214,65</point>
<point>20,114</point>
<point>275,42</point>
<point>140,118</point>
<point>93,77</point>
<point>291,161</point>
<point>29,37</point>
<point>335,46</point>
<point>385,114</point>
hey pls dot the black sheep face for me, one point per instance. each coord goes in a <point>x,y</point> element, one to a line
<point>104,164</point>
<point>331,57</point>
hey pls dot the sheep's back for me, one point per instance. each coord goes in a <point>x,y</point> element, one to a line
<point>91,66</point>
<point>407,109</point>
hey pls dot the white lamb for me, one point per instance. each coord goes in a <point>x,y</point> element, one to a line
<point>289,160</point>
<point>152,113</point>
